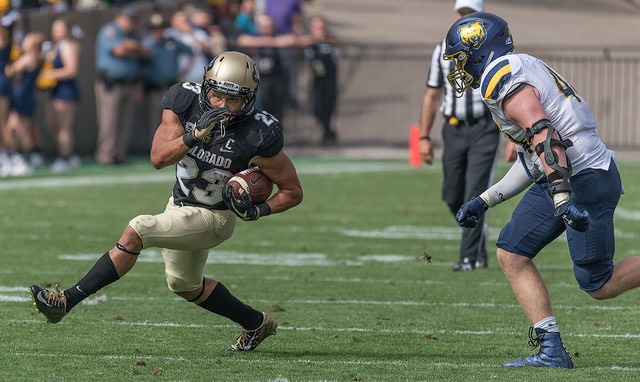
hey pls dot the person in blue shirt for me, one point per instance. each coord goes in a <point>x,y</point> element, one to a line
<point>118,66</point>
<point>160,69</point>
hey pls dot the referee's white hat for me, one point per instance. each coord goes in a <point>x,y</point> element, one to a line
<point>476,5</point>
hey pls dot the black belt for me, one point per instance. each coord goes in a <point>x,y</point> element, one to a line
<point>454,121</point>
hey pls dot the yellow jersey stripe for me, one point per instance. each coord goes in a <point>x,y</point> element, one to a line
<point>494,80</point>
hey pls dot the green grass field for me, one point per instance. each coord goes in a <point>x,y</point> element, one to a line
<point>343,274</point>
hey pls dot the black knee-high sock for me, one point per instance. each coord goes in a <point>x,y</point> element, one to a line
<point>222,302</point>
<point>102,274</point>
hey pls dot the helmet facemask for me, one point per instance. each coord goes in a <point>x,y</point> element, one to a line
<point>459,78</point>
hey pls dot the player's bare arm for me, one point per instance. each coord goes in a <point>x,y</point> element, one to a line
<point>282,172</point>
<point>524,109</point>
<point>168,146</point>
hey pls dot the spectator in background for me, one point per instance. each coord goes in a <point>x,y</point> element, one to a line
<point>245,22</point>
<point>226,14</point>
<point>54,6</point>
<point>201,18</point>
<point>288,19</point>
<point>18,132</point>
<point>160,69</point>
<point>286,14</point>
<point>266,50</point>
<point>323,55</point>
<point>8,18</point>
<point>197,40</point>
<point>60,71</point>
<point>118,65</point>
<point>471,140</point>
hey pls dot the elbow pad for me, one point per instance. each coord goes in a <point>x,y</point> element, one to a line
<point>560,178</point>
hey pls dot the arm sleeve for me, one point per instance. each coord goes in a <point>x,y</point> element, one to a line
<point>511,184</point>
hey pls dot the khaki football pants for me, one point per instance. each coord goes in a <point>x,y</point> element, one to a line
<point>185,235</point>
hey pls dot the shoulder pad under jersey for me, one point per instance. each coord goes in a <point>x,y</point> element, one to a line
<point>495,80</point>
<point>180,96</point>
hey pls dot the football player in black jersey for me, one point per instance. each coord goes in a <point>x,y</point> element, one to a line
<point>209,131</point>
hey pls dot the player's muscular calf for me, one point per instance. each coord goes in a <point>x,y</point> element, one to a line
<point>124,260</point>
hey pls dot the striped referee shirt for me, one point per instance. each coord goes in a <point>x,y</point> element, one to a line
<point>469,106</point>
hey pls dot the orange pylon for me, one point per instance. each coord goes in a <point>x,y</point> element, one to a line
<point>414,146</point>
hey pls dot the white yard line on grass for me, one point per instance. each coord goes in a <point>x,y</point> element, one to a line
<point>354,360</point>
<point>167,176</point>
<point>153,255</point>
<point>328,329</point>
<point>300,361</point>
<point>101,298</point>
<point>79,181</point>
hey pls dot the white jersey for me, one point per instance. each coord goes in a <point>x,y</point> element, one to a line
<point>567,111</point>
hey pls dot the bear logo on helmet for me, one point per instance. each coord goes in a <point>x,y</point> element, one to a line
<point>472,34</point>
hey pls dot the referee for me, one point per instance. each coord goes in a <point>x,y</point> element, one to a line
<point>470,144</point>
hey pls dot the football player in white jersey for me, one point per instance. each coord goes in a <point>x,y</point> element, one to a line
<point>573,182</point>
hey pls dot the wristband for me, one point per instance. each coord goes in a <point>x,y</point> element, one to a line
<point>189,140</point>
<point>486,199</point>
<point>425,137</point>
<point>264,209</point>
<point>560,199</point>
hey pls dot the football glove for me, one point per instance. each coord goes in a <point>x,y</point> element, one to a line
<point>208,120</point>
<point>470,213</point>
<point>576,219</point>
<point>244,208</point>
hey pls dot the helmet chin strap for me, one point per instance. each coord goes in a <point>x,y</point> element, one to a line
<point>223,129</point>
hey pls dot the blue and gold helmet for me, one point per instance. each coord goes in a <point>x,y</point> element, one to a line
<point>472,43</point>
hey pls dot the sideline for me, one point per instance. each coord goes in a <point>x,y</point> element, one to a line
<point>305,167</point>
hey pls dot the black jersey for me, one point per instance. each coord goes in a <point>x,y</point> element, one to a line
<point>324,62</point>
<point>204,171</point>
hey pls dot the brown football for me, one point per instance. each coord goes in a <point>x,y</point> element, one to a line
<point>253,182</point>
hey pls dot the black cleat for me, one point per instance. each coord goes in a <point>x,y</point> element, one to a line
<point>53,305</point>
<point>482,263</point>
<point>465,265</point>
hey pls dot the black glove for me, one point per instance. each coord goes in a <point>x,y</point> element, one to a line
<point>470,213</point>
<point>244,208</point>
<point>208,120</point>
<point>576,219</point>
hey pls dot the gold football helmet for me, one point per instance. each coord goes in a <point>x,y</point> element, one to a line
<point>231,73</point>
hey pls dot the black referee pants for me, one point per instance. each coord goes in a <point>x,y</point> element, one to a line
<point>469,157</point>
